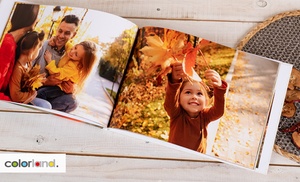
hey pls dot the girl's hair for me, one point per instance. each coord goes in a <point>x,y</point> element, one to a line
<point>203,89</point>
<point>28,41</point>
<point>88,61</point>
<point>24,16</point>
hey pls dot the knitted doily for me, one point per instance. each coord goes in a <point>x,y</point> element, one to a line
<point>279,38</point>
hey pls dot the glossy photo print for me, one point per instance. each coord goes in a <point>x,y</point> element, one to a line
<point>197,94</point>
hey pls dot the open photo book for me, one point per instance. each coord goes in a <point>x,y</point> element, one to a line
<point>153,83</point>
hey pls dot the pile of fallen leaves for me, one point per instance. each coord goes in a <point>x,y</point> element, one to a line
<point>32,79</point>
<point>140,109</point>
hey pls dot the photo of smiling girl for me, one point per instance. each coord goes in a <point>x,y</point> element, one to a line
<point>75,65</point>
<point>186,103</point>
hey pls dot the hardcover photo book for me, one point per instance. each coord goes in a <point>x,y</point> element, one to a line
<point>175,89</point>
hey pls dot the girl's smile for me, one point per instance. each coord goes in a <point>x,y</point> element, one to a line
<point>77,52</point>
<point>195,103</point>
<point>192,99</point>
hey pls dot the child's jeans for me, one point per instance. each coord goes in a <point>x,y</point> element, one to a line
<point>41,103</point>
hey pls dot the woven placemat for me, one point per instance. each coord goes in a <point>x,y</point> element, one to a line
<point>279,38</point>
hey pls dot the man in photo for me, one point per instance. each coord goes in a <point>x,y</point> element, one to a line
<point>57,46</point>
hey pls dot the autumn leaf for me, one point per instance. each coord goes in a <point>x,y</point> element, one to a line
<point>32,79</point>
<point>161,54</point>
<point>189,60</point>
<point>155,41</point>
<point>37,81</point>
<point>191,55</point>
<point>173,48</point>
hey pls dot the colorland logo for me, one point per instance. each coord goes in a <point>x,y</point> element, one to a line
<point>32,163</point>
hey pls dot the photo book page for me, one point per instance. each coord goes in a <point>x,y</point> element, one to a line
<point>253,100</point>
<point>114,38</point>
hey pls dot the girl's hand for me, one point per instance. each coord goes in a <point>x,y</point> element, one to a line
<point>43,75</point>
<point>177,72</point>
<point>68,86</point>
<point>52,80</point>
<point>48,56</point>
<point>213,78</point>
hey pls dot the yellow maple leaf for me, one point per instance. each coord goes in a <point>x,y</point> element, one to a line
<point>38,82</point>
<point>32,79</point>
<point>161,53</point>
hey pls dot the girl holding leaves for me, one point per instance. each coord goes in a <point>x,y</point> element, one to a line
<point>186,100</point>
<point>25,80</point>
<point>186,103</point>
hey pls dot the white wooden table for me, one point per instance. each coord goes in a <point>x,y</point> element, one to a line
<point>94,154</point>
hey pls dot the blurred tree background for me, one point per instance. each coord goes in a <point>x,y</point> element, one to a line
<point>114,60</point>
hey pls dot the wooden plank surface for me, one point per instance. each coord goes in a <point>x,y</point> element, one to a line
<point>91,168</point>
<point>225,22</point>
<point>225,33</point>
<point>205,10</point>
<point>96,154</point>
<point>49,133</point>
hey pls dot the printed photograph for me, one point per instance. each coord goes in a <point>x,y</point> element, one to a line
<point>197,94</point>
<point>161,83</point>
<point>65,59</point>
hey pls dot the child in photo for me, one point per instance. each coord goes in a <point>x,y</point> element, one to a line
<point>186,103</point>
<point>75,65</point>
<point>29,47</point>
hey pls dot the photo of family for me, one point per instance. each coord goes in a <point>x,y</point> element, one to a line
<point>52,57</point>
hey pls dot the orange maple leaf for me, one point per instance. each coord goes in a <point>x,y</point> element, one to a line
<point>189,60</point>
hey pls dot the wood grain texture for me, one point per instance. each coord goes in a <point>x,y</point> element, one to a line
<point>91,168</point>
<point>225,33</point>
<point>96,154</point>
<point>206,10</point>
<point>46,132</point>
<point>225,22</point>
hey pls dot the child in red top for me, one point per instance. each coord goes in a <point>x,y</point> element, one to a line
<point>186,105</point>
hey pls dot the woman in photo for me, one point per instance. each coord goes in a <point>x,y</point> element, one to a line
<point>22,21</point>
